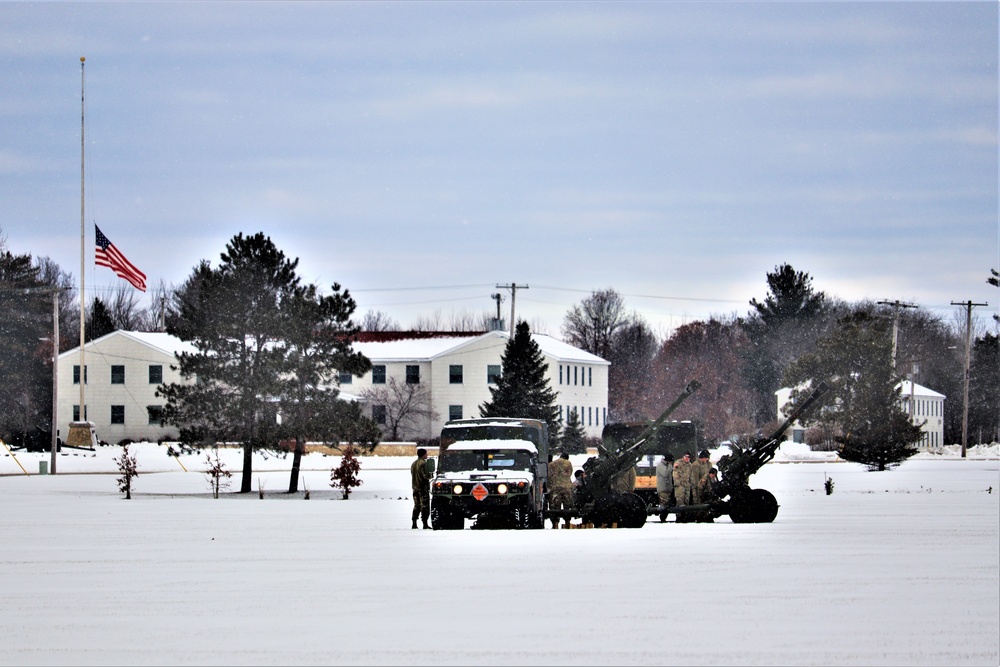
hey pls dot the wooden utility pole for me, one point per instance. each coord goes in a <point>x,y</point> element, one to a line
<point>896,305</point>
<point>513,287</point>
<point>968,305</point>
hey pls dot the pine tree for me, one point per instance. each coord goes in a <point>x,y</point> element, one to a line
<point>317,336</point>
<point>233,316</point>
<point>523,389</point>
<point>573,439</point>
<point>864,404</point>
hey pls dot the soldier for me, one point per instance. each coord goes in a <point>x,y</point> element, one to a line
<point>560,486</point>
<point>699,477</point>
<point>665,484</point>
<point>625,482</point>
<point>421,482</point>
<point>682,480</point>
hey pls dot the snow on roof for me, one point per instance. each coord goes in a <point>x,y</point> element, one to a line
<point>426,349</point>
<point>162,342</point>
<point>917,390</point>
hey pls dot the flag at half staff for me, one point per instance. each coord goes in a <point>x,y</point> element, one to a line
<point>106,254</point>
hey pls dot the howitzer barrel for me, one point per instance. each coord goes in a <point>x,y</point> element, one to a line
<point>604,468</point>
<point>737,468</point>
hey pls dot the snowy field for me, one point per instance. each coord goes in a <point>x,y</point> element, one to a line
<point>893,568</point>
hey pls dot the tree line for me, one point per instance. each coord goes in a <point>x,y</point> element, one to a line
<point>794,335</point>
<point>254,296</point>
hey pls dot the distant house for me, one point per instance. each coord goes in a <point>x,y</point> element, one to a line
<point>123,370</point>
<point>925,406</point>
<point>460,368</point>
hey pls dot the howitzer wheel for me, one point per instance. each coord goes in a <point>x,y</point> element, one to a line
<point>753,506</point>
<point>765,506</point>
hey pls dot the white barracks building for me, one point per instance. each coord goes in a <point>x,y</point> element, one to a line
<point>125,368</point>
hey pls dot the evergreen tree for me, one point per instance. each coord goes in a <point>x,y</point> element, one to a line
<point>318,334</point>
<point>864,401</point>
<point>25,357</point>
<point>233,316</point>
<point>99,323</point>
<point>779,329</point>
<point>522,389</point>
<point>573,439</point>
<point>984,390</point>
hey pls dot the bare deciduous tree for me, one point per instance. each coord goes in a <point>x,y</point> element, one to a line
<point>405,405</point>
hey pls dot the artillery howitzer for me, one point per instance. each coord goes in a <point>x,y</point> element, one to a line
<point>597,500</point>
<point>746,505</point>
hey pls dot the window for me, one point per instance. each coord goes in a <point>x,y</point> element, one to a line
<point>590,377</point>
<point>117,375</point>
<point>378,374</point>
<point>492,374</point>
<point>345,378</point>
<point>76,413</point>
<point>117,414</point>
<point>412,374</point>
<point>455,375</point>
<point>378,414</point>
<point>76,375</point>
<point>155,374</point>
<point>155,413</point>
<point>574,375</point>
<point>560,373</point>
<point>454,412</point>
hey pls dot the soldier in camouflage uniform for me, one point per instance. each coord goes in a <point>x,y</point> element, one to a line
<point>625,482</point>
<point>699,478</point>
<point>421,482</point>
<point>682,480</point>
<point>665,484</point>
<point>560,486</point>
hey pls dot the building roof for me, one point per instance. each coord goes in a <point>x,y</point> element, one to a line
<point>425,348</point>
<point>918,390</point>
<point>162,342</point>
<point>393,346</point>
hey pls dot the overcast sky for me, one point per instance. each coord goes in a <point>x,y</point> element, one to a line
<point>420,154</point>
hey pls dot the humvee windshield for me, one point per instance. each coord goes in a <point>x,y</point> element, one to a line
<point>492,460</point>
<point>450,434</point>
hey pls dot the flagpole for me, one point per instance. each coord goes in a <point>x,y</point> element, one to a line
<point>83,266</point>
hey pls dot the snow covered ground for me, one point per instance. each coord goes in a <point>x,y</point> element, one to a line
<point>899,567</point>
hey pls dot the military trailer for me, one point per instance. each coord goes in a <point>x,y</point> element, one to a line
<point>492,470</point>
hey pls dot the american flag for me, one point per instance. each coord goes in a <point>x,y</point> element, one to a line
<point>106,254</point>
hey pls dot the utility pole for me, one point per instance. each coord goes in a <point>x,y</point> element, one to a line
<point>55,379</point>
<point>896,305</point>
<point>498,298</point>
<point>968,361</point>
<point>513,287</point>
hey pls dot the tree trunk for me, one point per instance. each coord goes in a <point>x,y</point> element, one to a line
<point>246,484</point>
<point>300,448</point>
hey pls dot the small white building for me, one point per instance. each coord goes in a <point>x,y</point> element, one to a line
<point>925,406</point>
<point>123,370</point>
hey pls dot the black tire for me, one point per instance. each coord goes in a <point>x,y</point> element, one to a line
<point>442,519</point>
<point>765,506</point>
<point>741,506</point>
<point>635,511</point>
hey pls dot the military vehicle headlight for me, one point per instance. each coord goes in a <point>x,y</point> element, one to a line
<point>457,489</point>
<point>501,489</point>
